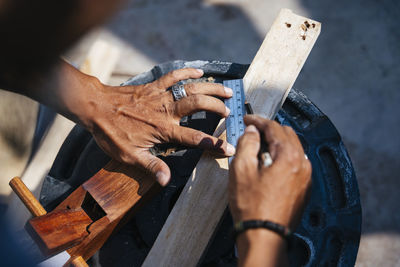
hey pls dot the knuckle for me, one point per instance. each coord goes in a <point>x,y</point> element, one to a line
<point>219,103</point>
<point>267,127</point>
<point>251,135</point>
<point>251,162</point>
<point>275,144</point>
<point>191,88</point>
<point>249,138</point>
<point>273,125</point>
<point>294,160</point>
<point>266,123</point>
<point>152,165</point>
<point>217,89</point>
<point>197,137</point>
<point>128,158</point>
<point>296,169</point>
<point>246,164</point>
<point>221,89</point>
<point>175,74</point>
<point>296,156</point>
<point>162,128</point>
<point>242,139</point>
<point>197,100</point>
<point>259,119</point>
<point>288,129</point>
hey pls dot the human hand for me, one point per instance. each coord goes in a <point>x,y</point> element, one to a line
<point>276,193</point>
<point>127,121</point>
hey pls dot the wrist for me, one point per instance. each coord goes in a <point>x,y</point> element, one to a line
<point>277,216</point>
<point>259,246</point>
<point>81,102</point>
<point>244,226</point>
<point>260,235</point>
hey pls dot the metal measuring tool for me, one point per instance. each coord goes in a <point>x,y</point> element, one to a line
<point>234,122</point>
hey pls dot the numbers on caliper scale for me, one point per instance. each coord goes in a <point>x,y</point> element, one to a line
<point>234,122</point>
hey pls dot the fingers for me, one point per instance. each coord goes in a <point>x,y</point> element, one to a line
<point>283,144</point>
<point>274,134</point>
<point>293,138</point>
<point>175,76</point>
<point>155,166</point>
<point>248,146</point>
<point>195,138</point>
<point>299,156</point>
<point>196,103</point>
<point>212,89</point>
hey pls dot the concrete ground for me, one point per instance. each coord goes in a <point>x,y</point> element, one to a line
<point>352,75</point>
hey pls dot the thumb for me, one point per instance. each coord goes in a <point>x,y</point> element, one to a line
<point>155,166</point>
<point>248,144</point>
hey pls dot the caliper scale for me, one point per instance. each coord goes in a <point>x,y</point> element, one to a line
<point>234,122</point>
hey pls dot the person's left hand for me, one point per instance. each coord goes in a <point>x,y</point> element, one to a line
<point>127,121</point>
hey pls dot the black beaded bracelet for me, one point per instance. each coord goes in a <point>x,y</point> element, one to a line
<point>242,226</point>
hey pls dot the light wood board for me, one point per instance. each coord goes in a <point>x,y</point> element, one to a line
<point>201,204</point>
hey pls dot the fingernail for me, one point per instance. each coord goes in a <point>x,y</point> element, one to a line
<point>162,178</point>
<point>230,150</point>
<point>227,111</point>
<point>200,71</point>
<point>250,128</point>
<point>228,91</point>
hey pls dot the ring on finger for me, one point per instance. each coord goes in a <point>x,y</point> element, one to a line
<point>178,91</point>
<point>266,159</point>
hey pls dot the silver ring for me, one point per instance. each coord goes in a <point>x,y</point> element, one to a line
<point>266,159</point>
<point>178,92</point>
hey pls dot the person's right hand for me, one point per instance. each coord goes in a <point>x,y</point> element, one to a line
<point>276,193</point>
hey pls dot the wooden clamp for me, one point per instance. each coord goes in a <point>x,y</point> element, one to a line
<point>86,218</point>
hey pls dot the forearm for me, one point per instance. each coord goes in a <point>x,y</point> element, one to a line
<point>261,247</point>
<point>63,88</point>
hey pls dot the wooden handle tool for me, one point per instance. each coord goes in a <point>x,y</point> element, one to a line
<point>36,209</point>
<point>26,196</point>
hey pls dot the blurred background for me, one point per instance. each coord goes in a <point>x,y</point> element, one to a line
<point>352,75</point>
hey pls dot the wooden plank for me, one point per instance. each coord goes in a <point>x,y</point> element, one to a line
<point>201,204</point>
<point>278,62</point>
